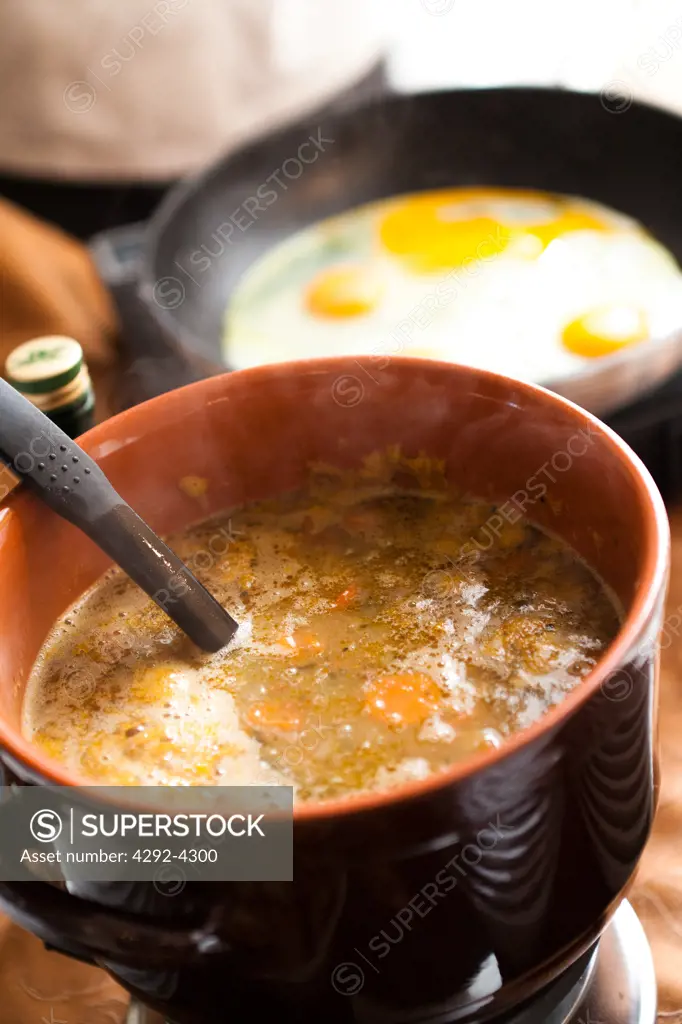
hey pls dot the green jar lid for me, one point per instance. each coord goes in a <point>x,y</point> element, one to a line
<point>44,364</point>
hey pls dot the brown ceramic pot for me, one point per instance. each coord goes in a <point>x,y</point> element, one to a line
<point>455,898</point>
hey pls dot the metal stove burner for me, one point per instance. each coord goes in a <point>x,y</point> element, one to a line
<point>619,986</point>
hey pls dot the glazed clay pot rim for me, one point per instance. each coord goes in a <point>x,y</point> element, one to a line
<point>649,586</point>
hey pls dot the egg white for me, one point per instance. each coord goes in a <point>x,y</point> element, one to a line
<point>505,313</point>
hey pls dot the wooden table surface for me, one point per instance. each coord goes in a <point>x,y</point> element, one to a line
<point>37,987</point>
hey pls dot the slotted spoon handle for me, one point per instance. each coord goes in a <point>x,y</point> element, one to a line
<point>64,477</point>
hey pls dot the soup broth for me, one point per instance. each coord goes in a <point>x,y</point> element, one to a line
<point>386,632</point>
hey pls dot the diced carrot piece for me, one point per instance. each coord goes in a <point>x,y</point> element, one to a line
<point>346,596</point>
<point>404,699</point>
<point>301,641</point>
<point>276,717</point>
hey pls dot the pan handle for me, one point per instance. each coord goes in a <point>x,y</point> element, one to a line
<point>153,359</point>
<point>90,932</point>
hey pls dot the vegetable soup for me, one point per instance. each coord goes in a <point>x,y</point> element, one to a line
<point>386,632</point>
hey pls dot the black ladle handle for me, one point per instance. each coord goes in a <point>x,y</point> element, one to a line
<point>72,484</point>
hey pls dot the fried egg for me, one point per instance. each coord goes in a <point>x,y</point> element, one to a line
<point>530,284</point>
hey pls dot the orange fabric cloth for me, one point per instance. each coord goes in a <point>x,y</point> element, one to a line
<point>657,894</point>
<point>48,285</point>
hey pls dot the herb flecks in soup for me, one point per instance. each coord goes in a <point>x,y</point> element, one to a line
<point>380,642</point>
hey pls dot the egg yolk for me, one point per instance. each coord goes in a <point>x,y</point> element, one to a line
<point>345,291</point>
<point>440,230</point>
<point>427,232</point>
<point>605,330</point>
<point>569,220</point>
